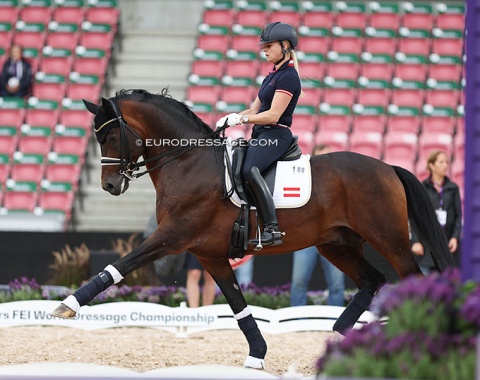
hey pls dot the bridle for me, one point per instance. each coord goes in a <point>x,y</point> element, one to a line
<point>127,166</point>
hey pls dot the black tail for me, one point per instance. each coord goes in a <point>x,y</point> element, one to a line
<point>423,218</point>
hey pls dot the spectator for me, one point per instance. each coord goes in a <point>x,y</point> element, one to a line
<point>445,198</point>
<point>194,275</point>
<point>304,262</point>
<point>16,76</point>
<point>244,273</point>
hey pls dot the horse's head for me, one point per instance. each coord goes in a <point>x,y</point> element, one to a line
<point>118,143</point>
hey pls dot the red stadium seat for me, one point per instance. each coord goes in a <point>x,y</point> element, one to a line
<point>6,40</point>
<point>9,14</point>
<point>404,123</point>
<point>418,20</point>
<point>305,140</point>
<point>340,123</point>
<point>312,70</point>
<point>56,65</point>
<point>20,201</point>
<point>4,173</point>
<point>407,71</point>
<point>400,145</point>
<point>8,144</point>
<point>381,45</point>
<point>454,21</point>
<point>339,96</point>
<point>349,45</point>
<point>443,98</point>
<point>34,40</point>
<point>242,69</point>
<point>311,97</point>
<point>382,71</point>
<point>42,117</point>
<point>385,20</point>
<point>76,118</point>
<point>218,17</point>
<point>429,141</point>
<point>314,44</point>
<point>245,43</point>
<point>34,145</point>
<point>49,91</point>
<point>103,15</point>
<point>57,201</point>
<point>70,145</point>
<point>208,68</point>
<point>12,117</point>
<point>414,46</point>
<point>443,72</point>
<point>355,20</point>
<point>69,15</point>
<point>343,70</point>
<point>91,66</point>
<point>304,122</point>
<point>238,94</point>
<point>251,17</point>
<point>27,172</point>
<point>36,15</point>
<point>367,143</point>
<point>374,96</point>
<point>369,123</point>
<point>78,91</point>
<point>289,17</point>
<point>63,40</point>
<point>213,42</point>
<point>316,19</point>
<point>203,94</point>
<point>97,40</point>
<point>421,171</point>
<point>408,98</point>
<point>64,173</point>
<point>436,124</point>
<point>338,141</point>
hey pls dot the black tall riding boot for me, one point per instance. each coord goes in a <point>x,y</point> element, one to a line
<point>271,234</point>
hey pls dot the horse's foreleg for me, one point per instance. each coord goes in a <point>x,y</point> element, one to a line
<point>146,252</point>
<point>350,260</point>
<point>224,276</point>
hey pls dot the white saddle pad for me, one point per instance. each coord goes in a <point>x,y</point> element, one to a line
<point>293,183</point>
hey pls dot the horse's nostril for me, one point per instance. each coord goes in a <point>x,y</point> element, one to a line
<point>108,187</point>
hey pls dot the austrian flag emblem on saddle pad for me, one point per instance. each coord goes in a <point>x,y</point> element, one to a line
<point>292,185</point>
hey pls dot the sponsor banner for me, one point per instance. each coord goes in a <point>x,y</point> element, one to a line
<point>116,314</point>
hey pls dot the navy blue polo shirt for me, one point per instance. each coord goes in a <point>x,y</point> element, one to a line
<point>285,80</point>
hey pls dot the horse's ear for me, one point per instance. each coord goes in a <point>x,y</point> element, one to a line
<point>92,107</point>
<point>107,107</point>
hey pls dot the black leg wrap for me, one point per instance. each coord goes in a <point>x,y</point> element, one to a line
<point>258,346</point>
<point>94,287</point>
<point>361,301</point>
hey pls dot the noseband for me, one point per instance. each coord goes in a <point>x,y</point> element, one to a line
<point>127,166</point>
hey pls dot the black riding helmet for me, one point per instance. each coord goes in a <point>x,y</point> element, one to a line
<point>278,31</point>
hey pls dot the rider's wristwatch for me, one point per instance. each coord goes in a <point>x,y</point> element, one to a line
<point>244,119</point>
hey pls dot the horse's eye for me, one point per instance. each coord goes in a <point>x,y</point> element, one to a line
<point>111,138</point>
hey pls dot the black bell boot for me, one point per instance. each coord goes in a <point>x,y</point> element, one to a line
<point>271,234</point>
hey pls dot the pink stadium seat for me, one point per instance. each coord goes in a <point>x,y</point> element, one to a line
<point>34,145</point>
<point>64,173</point>
<point>20,201</point>
<point>56,65</point>
<point>343,70</point>
<point>70,145</point>
<point>457,171</point>
<point>76,118</point>
<point>443,124</point>
<point>415,46</point>
<point>208,118</point>
<point>203,94</point>
<point>415,72</point>
<point>355,20</point>
<point>27,172</point>
<point>34,40</point>
<point>251,17</point>
<point>460,125</point>
<point>6,40</point>
<point>318,19</point>
<point>265,68</point>
<point>12,117</point>
<point>314,44</point>
<point>448,46</point>
<point>311,97</point>
<point>8,144</point>
<point>445,72</point>
<point>443,98</point>
<point>451,21</point>
<point>290,17</point>
<point>4,173</point>
<point>49,91</point>
<point>9,14</point>
<point>367,143</point>
<point>208,68</point>
<point>381,45</point>
<point>57,201</point>
<point>338,141</point>
<point>400,146</point>
<point>213,42</point>
<point>69,15</point>
<point>339,96</point>
<point>103,15</point>
<point>97,40</point>
<point>42,117</point>
<point>245,43</point>
<point>350,45</point>
<point>369,123</point>
<point>36,15</point>
<point>219,17</point>
<point>305,140</point>
<point>404,123</point>
<point>312,70</point>
<point>238,94</point>
<point>304,123</point>
<point>62,40</point>
<point>429,141</point>
<point>385,20</point>
<point>374,96</point>
<point>418,20</point>
<point>91,66</point>
<point>408,98</point>
<point>242,69</point>
<point>421,171</point>
<point>382,71</point>
<point>78,91</point>
<point>340,123</point>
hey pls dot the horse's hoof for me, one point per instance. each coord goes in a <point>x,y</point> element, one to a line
<point>63,311</point>
<point>254,363</point>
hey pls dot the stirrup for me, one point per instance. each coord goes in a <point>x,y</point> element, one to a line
<point>276,239</point>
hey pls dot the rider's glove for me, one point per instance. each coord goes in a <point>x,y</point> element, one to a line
<point>221,122</point>
<point>234,119</point>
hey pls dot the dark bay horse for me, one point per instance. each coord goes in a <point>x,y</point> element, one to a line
<point>355,199</point>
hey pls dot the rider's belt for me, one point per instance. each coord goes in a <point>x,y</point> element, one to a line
<point>276,125</point>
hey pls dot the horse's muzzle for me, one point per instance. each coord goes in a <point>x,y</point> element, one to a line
<point>115,186</point>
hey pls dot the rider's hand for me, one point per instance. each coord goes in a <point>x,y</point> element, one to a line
<point>221,122</point>
<point>234,119</point>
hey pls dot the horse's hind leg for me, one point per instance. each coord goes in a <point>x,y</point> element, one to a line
<point>222,272</point>
<point>350,260</point>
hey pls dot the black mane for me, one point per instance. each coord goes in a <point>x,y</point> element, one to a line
<point>161,100</point>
